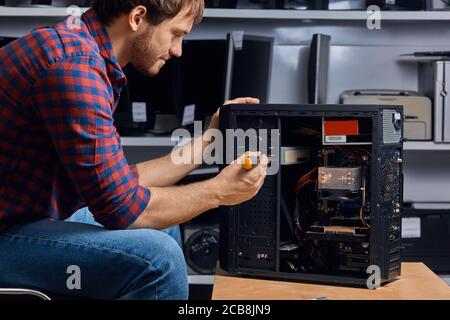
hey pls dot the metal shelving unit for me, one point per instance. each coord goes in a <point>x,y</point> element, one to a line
<point>201,279</point>
<point>150,141</point>
<point>426,146</point>
<point>324,15</point>
<point>33,12</point>
<point>257,14</point>
<point>165,141</point>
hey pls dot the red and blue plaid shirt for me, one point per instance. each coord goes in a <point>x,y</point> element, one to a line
<point>59,149</point>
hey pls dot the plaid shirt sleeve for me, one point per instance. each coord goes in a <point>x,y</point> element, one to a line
<point>74,100</point>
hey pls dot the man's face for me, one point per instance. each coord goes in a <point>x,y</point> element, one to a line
<point>157,44</point>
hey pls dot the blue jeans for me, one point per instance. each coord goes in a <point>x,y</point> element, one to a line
<point>78,257</point>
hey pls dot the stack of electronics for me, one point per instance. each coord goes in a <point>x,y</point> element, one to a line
<point>433,83</point>
<point>193,87</point>
<point>412,5</point>
<point>288,4</point>
<point>418,106</point>
<point>434,68</point>
<point>426,238</point>
<point>334,206</point>
<point>417,109</point>
<point>427,231</point>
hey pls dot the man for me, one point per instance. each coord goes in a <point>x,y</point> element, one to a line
<point>59,152</point>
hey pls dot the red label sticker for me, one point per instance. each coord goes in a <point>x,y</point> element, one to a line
<point>341,128</point>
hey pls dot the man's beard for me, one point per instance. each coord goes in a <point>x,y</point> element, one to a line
<point>142,57</point>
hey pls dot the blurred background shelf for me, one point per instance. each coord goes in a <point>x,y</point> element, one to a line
<point>150,141</point>
<point>257,14</point>
<point>426,146</point>
<point>201,279</point>
<point>154,141</point>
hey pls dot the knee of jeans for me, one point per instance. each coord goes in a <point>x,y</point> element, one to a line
<point>171,265</point>
<point>175,233</point>
<point>173,254</point>
<point>164,253</point>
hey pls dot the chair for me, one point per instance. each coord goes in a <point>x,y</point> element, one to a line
<point>23,293</point>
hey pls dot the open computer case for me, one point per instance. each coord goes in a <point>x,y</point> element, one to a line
<point>334,206</point>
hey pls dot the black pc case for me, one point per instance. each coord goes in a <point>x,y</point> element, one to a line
<point>312,232</point>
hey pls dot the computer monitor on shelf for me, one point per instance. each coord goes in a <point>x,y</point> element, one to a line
<point>249,66</point>
<point>319,57</point>
<point>194,86</point>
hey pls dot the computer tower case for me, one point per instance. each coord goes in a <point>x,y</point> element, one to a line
<point>331,203</point>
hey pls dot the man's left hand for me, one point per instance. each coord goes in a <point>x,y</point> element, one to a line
<point>214,124</point>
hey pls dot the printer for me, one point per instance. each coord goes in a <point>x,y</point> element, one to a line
<point>417,109</point>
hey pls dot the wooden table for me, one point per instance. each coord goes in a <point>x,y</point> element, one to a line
<point>416,282</point>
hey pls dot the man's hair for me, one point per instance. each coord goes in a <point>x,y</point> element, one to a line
<point>157,10</point>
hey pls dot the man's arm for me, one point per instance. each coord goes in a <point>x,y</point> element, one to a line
<point>175,205</point>
<point>163,172</point>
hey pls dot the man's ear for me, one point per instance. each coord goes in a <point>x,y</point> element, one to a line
<point>136,17</point>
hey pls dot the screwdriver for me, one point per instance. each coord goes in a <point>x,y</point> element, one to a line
<point>250,161</point>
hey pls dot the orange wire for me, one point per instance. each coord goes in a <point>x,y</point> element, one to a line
<point>307,177</point>
<point>304,184</point>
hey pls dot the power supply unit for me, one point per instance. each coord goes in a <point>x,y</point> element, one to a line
<point>332,217</point>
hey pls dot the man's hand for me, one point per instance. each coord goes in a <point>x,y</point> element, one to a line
<point>214,124</point>
<point>237,185</point>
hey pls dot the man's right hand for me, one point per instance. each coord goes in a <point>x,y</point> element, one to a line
<point>236,185</point>
<point>171,206</point>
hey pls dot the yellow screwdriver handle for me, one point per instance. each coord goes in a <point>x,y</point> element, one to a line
<point>249,162</point>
